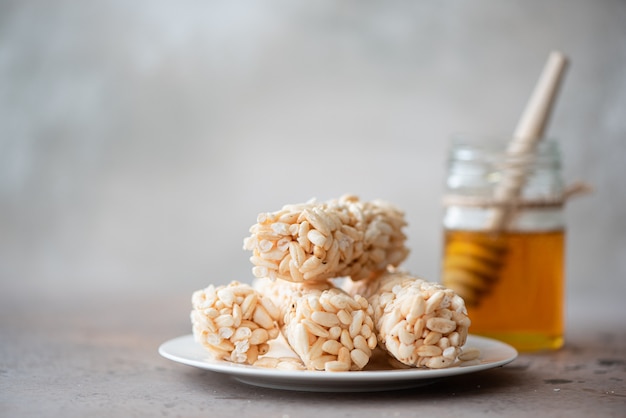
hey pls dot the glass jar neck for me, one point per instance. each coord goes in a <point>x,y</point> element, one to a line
<point>484,179</point>
<point>545,155</point>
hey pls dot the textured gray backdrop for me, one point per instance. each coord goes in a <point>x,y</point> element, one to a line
<point>139,139</point>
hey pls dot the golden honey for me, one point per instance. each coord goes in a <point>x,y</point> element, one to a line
<point>517,296</point>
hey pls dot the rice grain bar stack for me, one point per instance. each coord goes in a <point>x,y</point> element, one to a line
<point>328,329</point>
<point>319,241</point>
<point>419,323</point>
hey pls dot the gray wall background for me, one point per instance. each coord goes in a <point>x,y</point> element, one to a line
<point>139,139</point>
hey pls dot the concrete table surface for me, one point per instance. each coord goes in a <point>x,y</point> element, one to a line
<point>96,355</point>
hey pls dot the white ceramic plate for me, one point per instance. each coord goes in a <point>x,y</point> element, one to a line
<point>186,351</point>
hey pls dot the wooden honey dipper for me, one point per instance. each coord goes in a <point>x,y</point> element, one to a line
<point>470,268</point>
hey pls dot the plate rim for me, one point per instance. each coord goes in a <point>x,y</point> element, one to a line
<point>311,377</point>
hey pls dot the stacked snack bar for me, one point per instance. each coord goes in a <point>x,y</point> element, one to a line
<point>419,323</point>
<point>328,328</point>
<point>318,241</point>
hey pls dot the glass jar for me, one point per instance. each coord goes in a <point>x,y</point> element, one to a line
<point>504,239</point>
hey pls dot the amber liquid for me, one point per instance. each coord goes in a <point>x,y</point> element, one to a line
<point>523,304</point>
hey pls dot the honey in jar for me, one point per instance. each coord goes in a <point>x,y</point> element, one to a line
<point>519,297</point>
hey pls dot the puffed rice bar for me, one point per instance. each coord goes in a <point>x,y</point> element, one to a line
<point>234,322</point>
<point>318,241</point>
<point>419,323</point>
<point>327,328</point>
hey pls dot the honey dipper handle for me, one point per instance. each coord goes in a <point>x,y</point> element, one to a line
<point>529,131</point>
<point>534,120</point>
